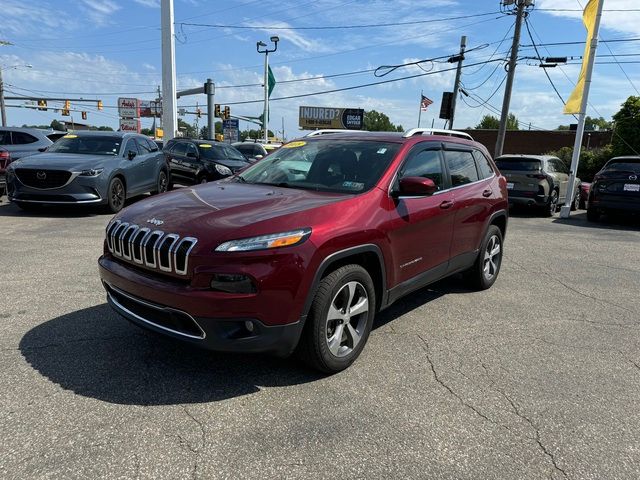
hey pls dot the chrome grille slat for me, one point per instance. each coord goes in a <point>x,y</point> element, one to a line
<point>167,252</point>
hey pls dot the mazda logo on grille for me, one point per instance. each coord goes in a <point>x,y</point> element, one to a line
<point>633,177</point>
<point>41,175</point>
<point>155,221</point>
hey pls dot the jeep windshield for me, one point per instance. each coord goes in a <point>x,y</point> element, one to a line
<point>346,166</point>
<point>87,145</point>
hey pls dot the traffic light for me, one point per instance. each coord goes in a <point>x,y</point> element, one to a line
<point>84,115</point>
<point>42,105</point>
<point>217,110</point>
<point>227,113</point>
<point>198,112</point>
<point>65,112</point>
<point>100,105</point>
<point>67,105</point>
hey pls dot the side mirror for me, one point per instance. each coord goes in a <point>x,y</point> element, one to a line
<point>417,187</point>
<point>258,157</point>
<point>42,149</point>
<point>192,155</point>
<point>131,155</point>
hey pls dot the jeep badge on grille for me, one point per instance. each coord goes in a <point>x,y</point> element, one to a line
<point>155,221</point>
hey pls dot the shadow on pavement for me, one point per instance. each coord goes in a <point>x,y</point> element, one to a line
<point>95,353</point>
<point>608,222</point>
<point>8,209</point>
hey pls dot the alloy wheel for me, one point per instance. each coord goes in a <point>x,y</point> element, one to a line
<point>492,257</point>
<point>347,318</point>
<point>117,194</point>
<point>553,204</point>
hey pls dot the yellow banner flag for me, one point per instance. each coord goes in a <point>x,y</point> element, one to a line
<point>589,20</point>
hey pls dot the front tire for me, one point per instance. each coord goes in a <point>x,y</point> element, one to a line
<point>575,205</point>
<point>162,184</point>
<point>339,321</point>
<point>485,270</point>
<point>116,195</point>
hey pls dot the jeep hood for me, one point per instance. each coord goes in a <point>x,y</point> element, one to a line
<point>224,210</point>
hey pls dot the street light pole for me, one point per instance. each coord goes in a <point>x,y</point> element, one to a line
<point>265,113</point>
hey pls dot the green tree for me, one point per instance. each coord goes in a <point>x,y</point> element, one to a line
<point>378,122</point>
<point>56,125</point>
<point>626,140</point>
<point>489,122</point>
<point>591,123</point>
<point>187,129</point>
<point>146,131</point>
<point>204,131</point>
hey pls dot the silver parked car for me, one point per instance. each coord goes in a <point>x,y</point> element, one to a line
<point>103,168</point>
<point>21,141</point>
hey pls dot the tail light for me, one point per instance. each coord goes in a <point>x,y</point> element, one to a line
<point>5,158</point>
<point>538,176</point>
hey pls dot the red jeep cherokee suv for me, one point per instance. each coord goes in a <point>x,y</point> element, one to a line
<point>300,250</point>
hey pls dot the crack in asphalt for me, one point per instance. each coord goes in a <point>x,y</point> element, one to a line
<point>575,290</point>
<point>447,387</point>
<point>203,441</point>
<point>521,415</point>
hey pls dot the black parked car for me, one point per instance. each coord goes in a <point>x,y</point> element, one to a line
<point>200,161</point>
<point>615,188</point>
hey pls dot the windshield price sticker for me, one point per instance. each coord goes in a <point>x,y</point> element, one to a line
<point>294,144</point>
<point>204,145</point>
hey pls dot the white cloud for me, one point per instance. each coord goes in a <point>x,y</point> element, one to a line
<point>100,11</point>
<point>148,3</point>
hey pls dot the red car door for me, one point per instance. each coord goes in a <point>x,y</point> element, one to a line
<point>421,228</point>
<point>471,195</point>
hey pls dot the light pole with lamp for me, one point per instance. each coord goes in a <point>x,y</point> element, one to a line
<point>265,113</point>
<point>3,111</point>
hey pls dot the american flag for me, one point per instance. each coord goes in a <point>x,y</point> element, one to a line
<point>425,102</point>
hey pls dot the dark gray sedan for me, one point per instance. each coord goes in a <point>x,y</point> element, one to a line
<point>103,168</point>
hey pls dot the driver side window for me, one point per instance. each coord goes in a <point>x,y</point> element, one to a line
<point>426,164</point>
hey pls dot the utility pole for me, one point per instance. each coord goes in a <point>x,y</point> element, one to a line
<point>506,102</point>
<point>169,100</point>
<point>456,87</point>
<point>2,106</point>
<point>209,89</point>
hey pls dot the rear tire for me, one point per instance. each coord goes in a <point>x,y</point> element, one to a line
<point>339,321</point>
<point>485,270</point>
<point>162,184</point>
<point>592,214</point>
<point>575,205</point>
<point>552,204</point>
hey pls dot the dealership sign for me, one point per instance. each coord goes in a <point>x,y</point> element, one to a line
<point>312,118</point>
<point>130,125</point>
<point>231,129</point>
<point>128,107</point>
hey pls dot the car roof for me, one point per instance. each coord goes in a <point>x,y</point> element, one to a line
<point>626,157</point>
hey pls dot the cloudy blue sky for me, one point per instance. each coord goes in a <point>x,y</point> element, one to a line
<point>109,48</point>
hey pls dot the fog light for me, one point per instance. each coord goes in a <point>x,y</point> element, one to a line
<point>248,324</point>
<point>228,283</point>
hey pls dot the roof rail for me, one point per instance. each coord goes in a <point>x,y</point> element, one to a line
<point>325,131</point>
<point>436,131</point>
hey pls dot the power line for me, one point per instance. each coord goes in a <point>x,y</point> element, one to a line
<point>582,42</point>
<point>339,27</point>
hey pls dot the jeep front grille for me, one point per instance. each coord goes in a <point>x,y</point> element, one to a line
<point>153,249</point>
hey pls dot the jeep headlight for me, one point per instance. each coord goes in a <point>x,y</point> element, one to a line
<point>264,242</point>
<point>222,170</point>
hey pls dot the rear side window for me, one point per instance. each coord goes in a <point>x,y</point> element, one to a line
<point>5,137</point>
<point>518,164</point>
<point>426,164</point>
<point>21,138</point>
<point>142,146</point>
<point>484,166</point>
<point>558,166</point>
<point>462,167</point>
<point>191,149</point>
<point>152,145</point>
<point>232,153</point>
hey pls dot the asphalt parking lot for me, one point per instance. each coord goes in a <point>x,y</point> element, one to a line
<point>538,377</point>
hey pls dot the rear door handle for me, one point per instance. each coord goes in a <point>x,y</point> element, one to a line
<point>446,204</point>
<point>487,193</point>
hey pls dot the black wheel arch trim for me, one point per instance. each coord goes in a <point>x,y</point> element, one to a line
<point>493,217</point>
<point>339,255</point>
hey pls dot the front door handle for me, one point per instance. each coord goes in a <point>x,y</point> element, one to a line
<point>487,193</point>
<point>446,204</point>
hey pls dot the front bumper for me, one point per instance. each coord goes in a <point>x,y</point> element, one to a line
<point>89,190</point>
<point>190,314</point>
